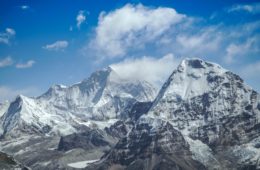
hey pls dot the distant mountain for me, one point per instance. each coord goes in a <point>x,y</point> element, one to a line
<point>204,117</point>
<point>98,101</point>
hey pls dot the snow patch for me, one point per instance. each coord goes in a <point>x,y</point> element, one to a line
<point>82,164</point>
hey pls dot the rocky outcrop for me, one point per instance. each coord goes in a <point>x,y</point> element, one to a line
<point>148,147</point>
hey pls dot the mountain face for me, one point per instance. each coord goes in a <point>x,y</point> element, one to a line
<point>148,147</point>
<point>204,117</point>
<point>216,114</point>
<point>97,101</point>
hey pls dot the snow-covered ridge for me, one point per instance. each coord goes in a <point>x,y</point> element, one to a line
<point>95,101</point>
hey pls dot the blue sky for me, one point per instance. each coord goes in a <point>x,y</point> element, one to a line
<point>48,42</point>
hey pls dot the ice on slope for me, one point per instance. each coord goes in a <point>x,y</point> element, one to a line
<point>81,164</point>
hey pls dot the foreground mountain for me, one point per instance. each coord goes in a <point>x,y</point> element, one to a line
<point>204,117</point>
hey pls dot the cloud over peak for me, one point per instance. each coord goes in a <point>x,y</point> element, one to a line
<point>131,27</point>
<point>151,69</point>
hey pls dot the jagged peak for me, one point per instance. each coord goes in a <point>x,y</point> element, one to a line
<point>20,97</point>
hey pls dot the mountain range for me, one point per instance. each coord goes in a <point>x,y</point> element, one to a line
<point>203,117</point>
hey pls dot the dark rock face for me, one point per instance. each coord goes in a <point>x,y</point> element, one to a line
<point>196,64</point>
<point>86,140</point>
<point>7,162</point>
<point>138,109</point>
<point>119,129</point>
<point>149,148</point>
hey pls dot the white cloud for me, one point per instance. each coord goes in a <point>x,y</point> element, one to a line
<point>8,93</point>
<point>10,31</point>
<point>204,40</point>
<point>136,30</point>
<point>250,8</point>
<point>153,70</point>
<point>7,35</point>
<point>27,64</point>
<point>56,46</point>
<point>81,18</point>
<point>235,52</point>
<point>6,62</point>
<point>131,27</point>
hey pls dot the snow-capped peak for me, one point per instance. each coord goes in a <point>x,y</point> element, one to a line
<point>190,78</point>
<point>209,88</point>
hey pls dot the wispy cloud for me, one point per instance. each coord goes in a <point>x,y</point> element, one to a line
<point>6,62</point>
<point>57,46</point>
<point>7,35</point>
<point>81,18</point>
<point>27,64</point>
<point>8,93</point>
<point>25,7</point>
<point>250,73</point>
<point>250,8</point>
<point>150,69</point>
<point>251,70</point>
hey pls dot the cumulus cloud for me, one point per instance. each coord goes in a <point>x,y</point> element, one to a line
<point>6,62</point>
<point>7,35</point>
<point>27,64</point>
<point>153,70</point>
<point>57,46</point>
<point>250,8</point>
<point>131,27</point>
<point>8,93</point>
<point>81,18</point>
